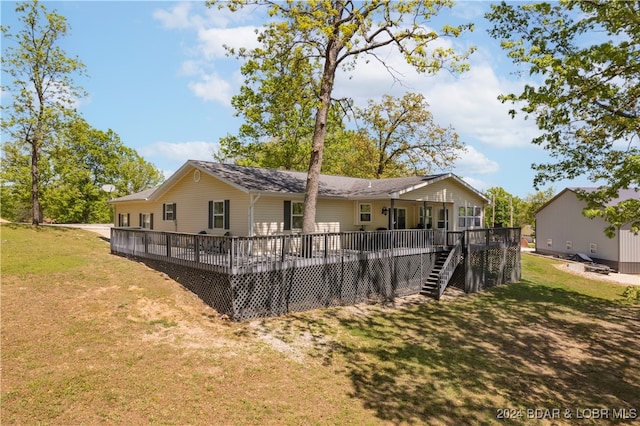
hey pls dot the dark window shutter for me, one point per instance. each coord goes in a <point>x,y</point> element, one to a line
<point>140,220</point>
<point>287,215</point>
<point>119,219</point>
<point>226,214</point>
<point>164,212</point>
<point>175,215</point>
<point>128,219</point>
<point>151,221</point>
<point>210,214</point>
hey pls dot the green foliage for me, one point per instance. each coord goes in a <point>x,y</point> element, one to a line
<point>531,204</point>
<point>404,137</point>
<point>323,37</point>
<point>588,105</point>
<point>42,86</point>
<point>632,294</point>
<point>504,210</point>
<point>75,168</point>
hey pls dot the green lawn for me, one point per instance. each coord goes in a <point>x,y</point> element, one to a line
<point>89,338</point>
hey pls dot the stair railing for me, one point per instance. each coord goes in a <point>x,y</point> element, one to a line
<point>449,266</point>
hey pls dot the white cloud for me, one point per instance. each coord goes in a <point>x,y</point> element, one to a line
<point>474,162</point>
<point>179,152</point>
<point>211,41</point>
<point>212,88</point>
<point>175,18</point>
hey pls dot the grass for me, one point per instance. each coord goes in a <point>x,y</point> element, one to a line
<point>90,338</point>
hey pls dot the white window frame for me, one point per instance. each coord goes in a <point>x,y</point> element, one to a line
<point>364,210</point>
<point>297,214</point>
<point>219,216</point>
<point>443,218</point>
<point>168,210</point>
<point>421,216</point>
<point>593,247</point>
<point>123,220</point>
<point>569,245</point>
<point>471,217</point>
<point>146,221</point>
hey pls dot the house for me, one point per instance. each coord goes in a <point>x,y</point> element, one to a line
<point>232,235</point>
<point>224,199</point>
<point>562,230</point>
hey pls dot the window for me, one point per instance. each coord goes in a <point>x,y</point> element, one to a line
<point>593,248</point>
<point>365,212</point>
<point>469,217</point>
<point>219,214</point>
<point>293,211</point>
<point>425,217</point>
<point>549,243</point>
<point>146,220</point>
<point>123,219</point>
<point>569,245</point>
<point>169,211</point>
<point>297,212</point>
<point>443,218</point>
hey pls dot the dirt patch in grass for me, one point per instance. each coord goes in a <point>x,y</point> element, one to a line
<point>102,339</point>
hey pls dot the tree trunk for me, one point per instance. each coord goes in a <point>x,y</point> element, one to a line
<point>319,135</point>
<point>37,213</point>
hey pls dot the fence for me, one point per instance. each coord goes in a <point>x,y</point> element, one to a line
<point>250,277</point>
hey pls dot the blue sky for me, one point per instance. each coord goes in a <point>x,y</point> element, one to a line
<point>158,76</point>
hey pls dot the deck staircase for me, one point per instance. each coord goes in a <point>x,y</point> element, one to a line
<point>442,271</point>
<point>430,287</point>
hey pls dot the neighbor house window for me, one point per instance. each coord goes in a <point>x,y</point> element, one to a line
<point>569,245</point>
<point>469,217</point>
<point>169,211</point>
<point>549,243</point>
<point>365,212</point>
<point>146,220</point>
<point>425,217</point>
<point>219,214</point>
<point>593,248</point>
<point>123,219</point>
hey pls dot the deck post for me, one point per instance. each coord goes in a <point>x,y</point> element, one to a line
<point>196,248</point>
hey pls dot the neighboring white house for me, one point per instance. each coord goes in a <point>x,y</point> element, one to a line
<point>562,230</point>
<point>243,201</point>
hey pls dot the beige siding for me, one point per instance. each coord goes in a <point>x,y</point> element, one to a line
<point>192,207</point>
<point>562,221</point>
<point>450,192</point>
<point>267,212</point>
<point>331,215</point>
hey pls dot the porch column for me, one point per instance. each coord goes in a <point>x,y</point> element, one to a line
<point>392,216</point>
<point>424,215</point>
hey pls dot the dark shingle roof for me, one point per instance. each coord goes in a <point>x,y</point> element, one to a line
<point>260,180</point>
<point>255,179</point>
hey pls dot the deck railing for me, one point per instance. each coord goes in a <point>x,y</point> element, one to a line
<point>232,254</point>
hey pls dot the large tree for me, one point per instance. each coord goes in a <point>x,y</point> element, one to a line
<point>84,160</point>
<point>587,56</point>
<point>42,86</point>
<point>334,34</point>
<point>277,103</point>
<point>531,204</point>
<point>504,209</point>
<point>405,137</point>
